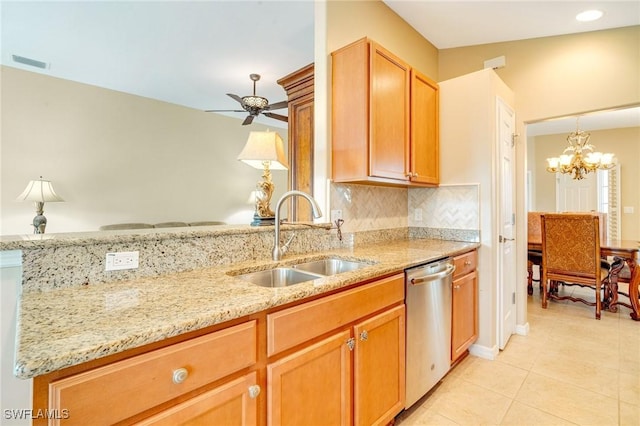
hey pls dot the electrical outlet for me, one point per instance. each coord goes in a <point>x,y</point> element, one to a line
<point>417,215</point>
<point>122,260</point>
<point>335,215</point>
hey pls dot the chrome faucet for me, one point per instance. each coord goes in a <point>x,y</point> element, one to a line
<point>279,250</point>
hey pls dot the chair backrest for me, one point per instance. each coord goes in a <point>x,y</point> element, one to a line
<point>571,244</point>
<point>534,232</point>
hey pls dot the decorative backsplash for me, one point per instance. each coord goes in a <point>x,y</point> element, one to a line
<point>446,207</point>
<point>368,208</point>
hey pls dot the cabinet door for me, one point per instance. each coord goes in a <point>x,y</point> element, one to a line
<point>301,155</point>
<point>425,136</point>
<point>234,403</point>
<point>464,320</point>
<point>389,120</point>
<point>379,368</point>
<point>312,386</point>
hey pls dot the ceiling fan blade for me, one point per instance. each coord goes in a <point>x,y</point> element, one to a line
<point>277,105</point>
<point>277,116</point>
<point>236,97</point>
<point>248,120</point>
<point>225,110</point>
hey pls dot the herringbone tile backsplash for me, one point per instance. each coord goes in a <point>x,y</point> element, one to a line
<point>366,208</point>
<point>448,207</point>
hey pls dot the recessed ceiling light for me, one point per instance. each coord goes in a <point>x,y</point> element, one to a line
<point>589,15</point>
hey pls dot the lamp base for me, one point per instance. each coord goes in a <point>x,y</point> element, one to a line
<point>263,221</point>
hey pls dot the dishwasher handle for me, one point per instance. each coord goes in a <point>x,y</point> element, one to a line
<point>433,277</point>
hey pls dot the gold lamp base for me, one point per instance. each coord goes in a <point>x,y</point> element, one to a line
<point>263,215</point>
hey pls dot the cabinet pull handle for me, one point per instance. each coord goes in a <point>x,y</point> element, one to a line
<point>467,263</point>
<point>456,287</point>
<point>364,335</point>
<point>254,391</point>
<point>180,375</point>
<point>351,343</point>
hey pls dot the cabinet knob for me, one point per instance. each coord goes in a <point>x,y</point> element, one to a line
<point>467,263</point>
<point>254,391</point>
<point>351,343</point>
<point>456,287</point>
<point>180,375</point>
<point>364,335</point>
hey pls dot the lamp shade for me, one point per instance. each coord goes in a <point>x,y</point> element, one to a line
<point>39,190</point>
<point>264,147</point>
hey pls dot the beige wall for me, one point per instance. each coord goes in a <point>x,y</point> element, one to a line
<point>563,75</point>
<point>624,143</point>
<point>116,157</point>
<point>349,21</point>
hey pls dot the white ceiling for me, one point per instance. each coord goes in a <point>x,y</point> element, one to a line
<point>192,53</point>
<point>452,23</point>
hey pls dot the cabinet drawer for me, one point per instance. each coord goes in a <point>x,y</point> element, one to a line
<point>290,327</point>
<point>465,263</point>
<point>120,390</point>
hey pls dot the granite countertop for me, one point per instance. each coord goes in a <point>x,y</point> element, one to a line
<point>65,327</point>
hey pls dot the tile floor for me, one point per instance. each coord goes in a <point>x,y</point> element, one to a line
<point>570,370</point>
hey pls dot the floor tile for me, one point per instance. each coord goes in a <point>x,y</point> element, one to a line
<point>520,414</point>
<point>568,401</point>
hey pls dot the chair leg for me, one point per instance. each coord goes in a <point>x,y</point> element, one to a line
<point>529,278</point>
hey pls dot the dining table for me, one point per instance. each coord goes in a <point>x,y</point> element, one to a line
<point>628,250</point>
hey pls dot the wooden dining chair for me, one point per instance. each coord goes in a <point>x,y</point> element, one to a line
<point>621,273</point>
<point>571,255</point>
<point>534,257</point>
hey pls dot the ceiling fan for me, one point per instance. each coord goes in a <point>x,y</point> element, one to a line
<point>255,105</point>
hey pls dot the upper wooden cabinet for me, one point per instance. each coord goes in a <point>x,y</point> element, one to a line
<point>299,88</point>
<point>384,119</point>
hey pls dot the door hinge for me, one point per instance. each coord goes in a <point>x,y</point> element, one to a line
<point>514,136</point>
<point>513,298</point>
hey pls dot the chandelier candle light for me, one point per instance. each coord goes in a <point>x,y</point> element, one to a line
<point>264,150</point>
<point>39,191</point>
<point>579,158</point>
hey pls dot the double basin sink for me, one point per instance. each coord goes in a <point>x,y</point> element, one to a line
<point>301,272</point>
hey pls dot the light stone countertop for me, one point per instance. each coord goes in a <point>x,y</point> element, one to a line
<point>65,327</point>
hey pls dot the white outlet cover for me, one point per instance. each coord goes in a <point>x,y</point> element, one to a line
<point>122,260</point>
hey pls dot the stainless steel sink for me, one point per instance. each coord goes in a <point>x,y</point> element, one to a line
<point>330,266</point>
<point>278,277</point>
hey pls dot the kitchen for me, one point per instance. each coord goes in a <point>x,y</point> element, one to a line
<point>580,95</point>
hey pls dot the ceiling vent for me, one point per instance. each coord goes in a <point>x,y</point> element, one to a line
<point>30,62</point>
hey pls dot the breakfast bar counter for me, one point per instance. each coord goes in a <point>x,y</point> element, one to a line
<point>63,327</point>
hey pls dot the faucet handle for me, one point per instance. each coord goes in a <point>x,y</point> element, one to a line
<point>285,247</point>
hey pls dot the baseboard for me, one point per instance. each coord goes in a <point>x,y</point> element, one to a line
<point>522,329</point>
<point>484,351</point>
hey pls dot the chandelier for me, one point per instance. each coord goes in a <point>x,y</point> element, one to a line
<point>579,158</point>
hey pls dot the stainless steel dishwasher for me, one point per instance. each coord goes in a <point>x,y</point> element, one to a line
<point>428,304</point>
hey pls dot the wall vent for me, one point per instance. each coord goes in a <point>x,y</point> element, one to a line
<point>30,62</point>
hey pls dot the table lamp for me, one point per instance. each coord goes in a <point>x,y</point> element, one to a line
<point>264,150</point>
<point>39,191</point>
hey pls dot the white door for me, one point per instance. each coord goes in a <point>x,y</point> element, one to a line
<point>576,195</point>
<point>506,224</point>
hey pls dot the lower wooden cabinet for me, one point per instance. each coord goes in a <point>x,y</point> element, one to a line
<point>124,389</point>
<point>354,376</point>
<point>379,368</point>
<point>464,315</point>
<point>234,403</point>
<point>312,386</point>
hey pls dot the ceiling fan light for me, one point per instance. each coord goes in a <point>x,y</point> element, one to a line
<point>255,101</point>
<point>589,15</point>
